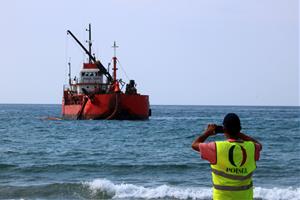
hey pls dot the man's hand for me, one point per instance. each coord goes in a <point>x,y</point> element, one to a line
<point>211,130</point>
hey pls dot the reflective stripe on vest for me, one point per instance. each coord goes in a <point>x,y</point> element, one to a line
<point>233,188</point>
<point>233,177</point>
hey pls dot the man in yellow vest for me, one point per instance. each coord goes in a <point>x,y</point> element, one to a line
<point>232,161</point>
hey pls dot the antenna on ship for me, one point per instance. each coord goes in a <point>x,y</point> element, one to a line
<point>90,41</point>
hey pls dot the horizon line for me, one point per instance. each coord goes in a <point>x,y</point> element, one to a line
<point>216,105</point>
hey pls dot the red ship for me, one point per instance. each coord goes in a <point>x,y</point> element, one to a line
<point>96,94</point>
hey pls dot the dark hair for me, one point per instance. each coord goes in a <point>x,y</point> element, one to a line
<point>232,124</point>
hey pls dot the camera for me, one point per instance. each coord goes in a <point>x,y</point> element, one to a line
<point>219,129</point>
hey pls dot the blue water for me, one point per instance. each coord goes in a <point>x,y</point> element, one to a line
<point>153,159</point>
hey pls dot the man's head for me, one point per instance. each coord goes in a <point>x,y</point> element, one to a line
<point>232,124</point>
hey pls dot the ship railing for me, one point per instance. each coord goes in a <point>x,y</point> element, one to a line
<point>66,87</point>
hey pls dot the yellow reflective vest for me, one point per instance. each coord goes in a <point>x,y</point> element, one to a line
<point>232,174</point>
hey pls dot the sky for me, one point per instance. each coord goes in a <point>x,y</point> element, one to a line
<point>179,52</point>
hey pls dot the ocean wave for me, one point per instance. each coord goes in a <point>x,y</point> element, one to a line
<point>288,193</point>
<point>106,189</point>
<point>6,166</point>
<point>130,191</point>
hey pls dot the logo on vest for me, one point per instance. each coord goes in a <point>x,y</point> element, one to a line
<point>237,169</point>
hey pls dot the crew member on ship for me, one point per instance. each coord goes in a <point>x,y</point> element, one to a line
<point>232,161</point>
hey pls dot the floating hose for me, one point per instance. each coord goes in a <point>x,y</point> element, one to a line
<point>79,115</point>
<point>115,112</point>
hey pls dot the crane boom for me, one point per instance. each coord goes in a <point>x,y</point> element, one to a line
<point>97,62</point>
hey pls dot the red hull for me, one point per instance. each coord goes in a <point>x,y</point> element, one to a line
<point>106,106</point>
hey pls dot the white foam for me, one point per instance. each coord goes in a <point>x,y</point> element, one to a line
<point>125,191</point>
<point>276,193</point>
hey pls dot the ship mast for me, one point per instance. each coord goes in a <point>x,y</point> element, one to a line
<point>115,61</point>
<point>69,64</point>
<point>115,81</point>
<point>90,41</point>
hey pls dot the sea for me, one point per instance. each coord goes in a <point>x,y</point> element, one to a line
<point>42,158</point>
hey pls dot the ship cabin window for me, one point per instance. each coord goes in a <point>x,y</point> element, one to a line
<point>86,74</point>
